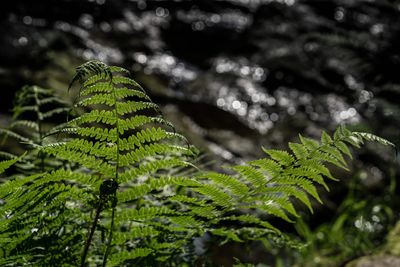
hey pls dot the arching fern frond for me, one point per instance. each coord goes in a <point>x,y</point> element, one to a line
<point>269,185</point>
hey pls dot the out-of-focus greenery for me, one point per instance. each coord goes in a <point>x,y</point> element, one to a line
<point>358,228</point>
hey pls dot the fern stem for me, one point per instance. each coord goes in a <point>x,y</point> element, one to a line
<point>90,237</point>
<point>114,204</point>
<point>39,123</point>
<point>110,235</point>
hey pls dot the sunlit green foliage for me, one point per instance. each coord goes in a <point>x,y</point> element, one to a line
<point>116,202</point>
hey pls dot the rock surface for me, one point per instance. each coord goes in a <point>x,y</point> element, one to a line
<point>376,261</point>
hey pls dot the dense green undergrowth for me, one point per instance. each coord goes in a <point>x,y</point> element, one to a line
<point>116,185</point>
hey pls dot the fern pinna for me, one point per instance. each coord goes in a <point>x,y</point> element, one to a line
<point>122,200</point>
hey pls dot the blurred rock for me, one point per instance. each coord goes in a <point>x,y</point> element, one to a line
<point>376,261</point>
<point>393,241</point>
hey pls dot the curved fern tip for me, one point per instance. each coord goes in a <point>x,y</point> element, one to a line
<point>89,68</point>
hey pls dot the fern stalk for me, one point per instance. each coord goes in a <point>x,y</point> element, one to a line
<point>39,123</point>
<point>89,239</point>
<point>115,200</point>
<point>110,236</point>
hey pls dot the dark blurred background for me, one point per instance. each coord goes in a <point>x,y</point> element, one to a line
<point>233,75</point>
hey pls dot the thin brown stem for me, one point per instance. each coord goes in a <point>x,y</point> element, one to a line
<point>110,237</point>
<point>90,237</point>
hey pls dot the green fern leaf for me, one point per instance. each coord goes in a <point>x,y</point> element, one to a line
<point>255,177</point>
<point>373,138</point>
<point>299,150</point>
<point>7,164</point>
<point>310,144</point>
<point>326,139</point>
<point>235,186</point>
<point>217,195</point>
<point>272,168</point>
<point>343,148</point>
<point>282,157</point>
<point>118,258</point>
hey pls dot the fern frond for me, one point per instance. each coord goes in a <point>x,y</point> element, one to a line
<point>138,191</point>
<point>309,143</point>
<point>146,136</point>
<point>308,171</point>
<point>118,258</point>
<point>151,150</point>
<point>7,164</point>
<point>92,86</point>
<point>144,213</point>
<point>121,80</point>
<point>26,124</point>
<point>98,99</point>
<point>270,167</point>
<point>88,161</point>
<point>33,108</point>
<point>217,195</point>
<point>290,192</point>
<point>89,68</point>
<point>228,233</point>
<point>270,184</point>
<point>100,134</point>
<point>298,150</point>
<point>103,116</point>
<point>280,156</point>
<point>343,148</point>
<point>99,149</point>
<point>250,219</point>
<point>132,107</point>
<point>138,121</point>
<point>16,136</point>
<point>255,177</point>
<point>371,137</point>
<point>234,185</point>
<point>134,233</point>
